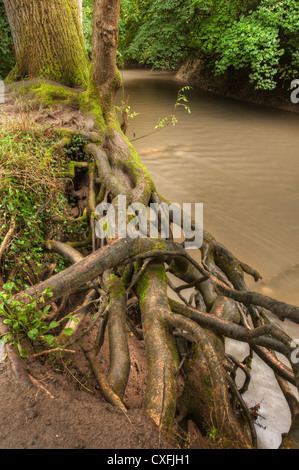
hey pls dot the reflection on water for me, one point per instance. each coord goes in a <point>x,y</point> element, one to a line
<point>241,161</point>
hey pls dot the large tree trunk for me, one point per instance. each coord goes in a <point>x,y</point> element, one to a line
<point>80,10</point>
<point>48,41</point>
<point>105,75</point>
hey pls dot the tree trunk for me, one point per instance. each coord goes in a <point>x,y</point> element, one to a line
<point>80,10</point>
<point>105,75</point>
<point>48,39</point>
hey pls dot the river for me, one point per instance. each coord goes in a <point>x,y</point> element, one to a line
<point>242,162</point>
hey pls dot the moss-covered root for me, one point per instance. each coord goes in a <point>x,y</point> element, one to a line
<point>205,397</point>
<point>119,368</point>
<point>161,353</point>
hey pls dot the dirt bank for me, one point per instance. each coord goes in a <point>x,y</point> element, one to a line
<point>234,84</point>
<point>64,410</point>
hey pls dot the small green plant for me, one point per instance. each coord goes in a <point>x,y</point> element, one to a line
<point>76,150</point>
<point>125,109</point>
<point>212,433</point>
<point>32,196</point>
<point>181,100</point>
<point>25,320</point>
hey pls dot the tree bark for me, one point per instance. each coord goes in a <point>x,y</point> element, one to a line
<point>49,42</point>
<point>80,10</point>
<point>105,75</point>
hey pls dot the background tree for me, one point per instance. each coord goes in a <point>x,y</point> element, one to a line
<point>44,46</point>
<point>98,164</point>
<point>80,9</point>
<point>259,36</point>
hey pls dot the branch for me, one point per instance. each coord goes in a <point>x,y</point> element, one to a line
<point>7,237</point>
<point>280,309</point>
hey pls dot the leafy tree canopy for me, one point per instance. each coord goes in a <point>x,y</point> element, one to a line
<point>259,35</point>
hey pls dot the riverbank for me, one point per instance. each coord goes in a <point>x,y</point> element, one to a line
<point>234,84</point>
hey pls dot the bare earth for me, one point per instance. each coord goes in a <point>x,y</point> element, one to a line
<point>59,413</point>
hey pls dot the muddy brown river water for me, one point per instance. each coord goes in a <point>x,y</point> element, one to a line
<point>242,162</point>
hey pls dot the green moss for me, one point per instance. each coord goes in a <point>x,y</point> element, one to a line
<point>13,76</point>
<point>169,415</point>
<point>107,97</point>
<point>144,282</point>
<point>126,276</point>
<point>49,94</point>
<point>89,103</point>
<point>143,287</point>
<point>53,95</point>
<point>116,287</point>
<point>158,244</point>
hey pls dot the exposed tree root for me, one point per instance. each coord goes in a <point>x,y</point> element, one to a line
<point>186,338</point>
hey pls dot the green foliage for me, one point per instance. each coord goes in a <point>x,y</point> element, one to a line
<point>87,24</point>
<point>212,433</point>
<point>76,150</point>
<point>32,195</point>
<point>125,110</point>
<point>154,32</point>
<point>261,40</point>
<point>25,320</point>
<point>260,36</point>
<point>7,57</point>
<point>182,100</point>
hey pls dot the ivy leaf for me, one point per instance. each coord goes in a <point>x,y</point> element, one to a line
<point>46,309</point>
<point>22,351</point>
<point>68,331</point>
<point>33,334</point>
<point>50,339</point>
<point>9,286</point>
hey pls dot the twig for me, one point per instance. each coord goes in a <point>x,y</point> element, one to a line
<point>49,351</point>
<point>7,237</point>
<point>36,382</point>
<point>86,388</point>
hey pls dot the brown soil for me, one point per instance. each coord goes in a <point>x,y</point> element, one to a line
<point>60,414</point>
<point>64,410</point>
